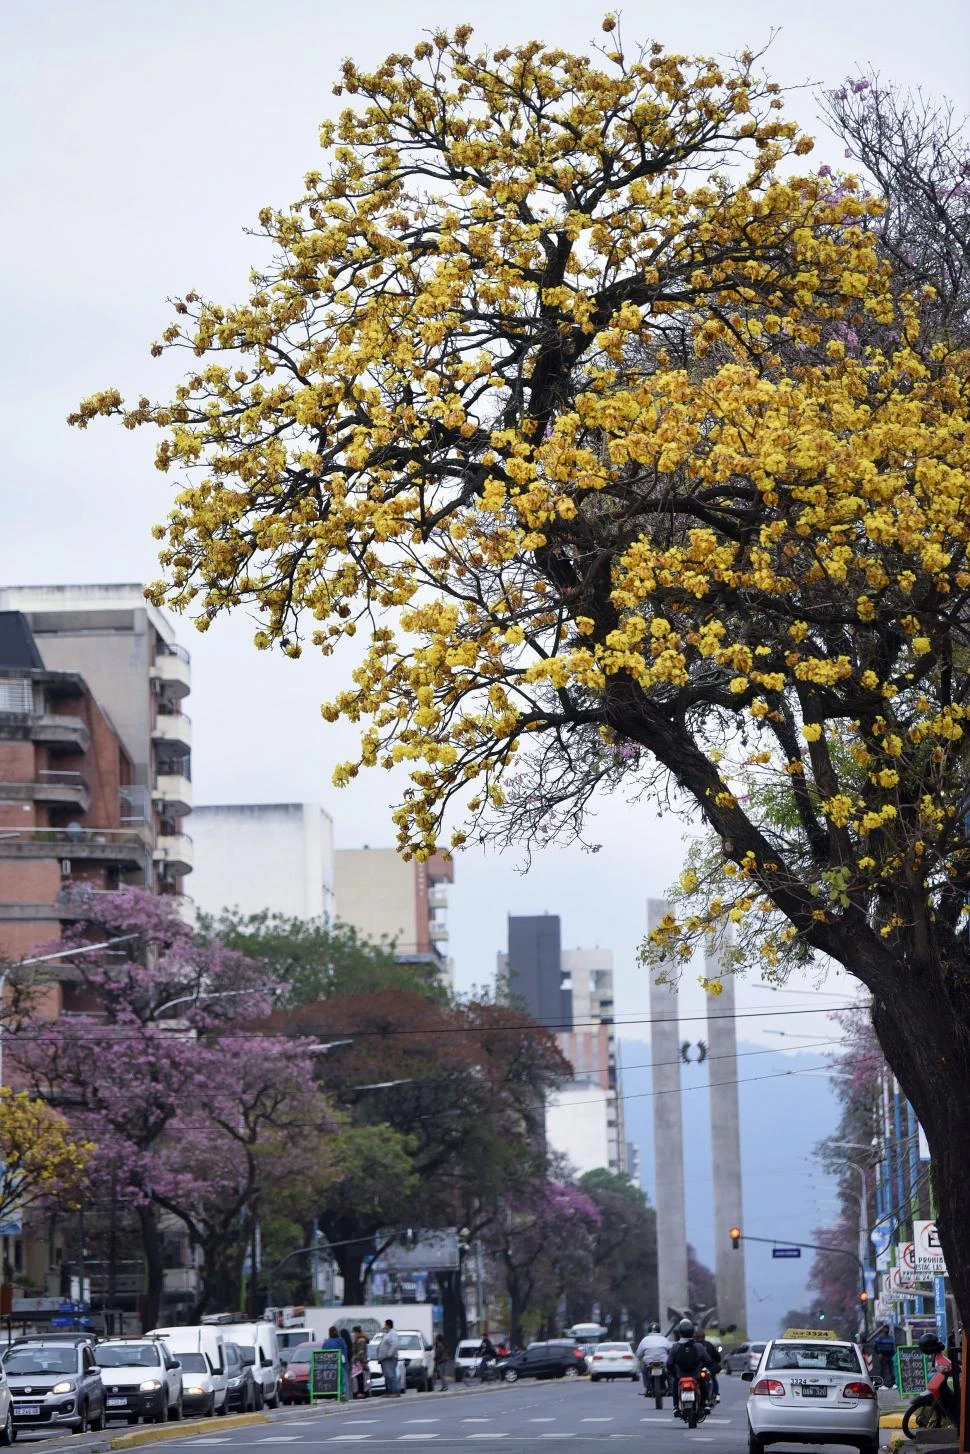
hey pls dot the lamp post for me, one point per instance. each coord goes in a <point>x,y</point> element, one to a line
<point>864,1211</point>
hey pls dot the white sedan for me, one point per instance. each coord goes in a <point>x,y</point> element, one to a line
<point>812,1391</point>
<point>612,1360</point>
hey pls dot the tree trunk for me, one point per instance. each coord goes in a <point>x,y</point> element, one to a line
<point>151,1241</point>
<point>454,1320</point>
<point>351,1260</point>
<point>923,1027</point>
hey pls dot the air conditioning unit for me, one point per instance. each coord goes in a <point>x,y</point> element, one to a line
<point>65,867</point>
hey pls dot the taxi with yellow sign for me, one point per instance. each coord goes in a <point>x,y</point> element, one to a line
<point>812,1387</point>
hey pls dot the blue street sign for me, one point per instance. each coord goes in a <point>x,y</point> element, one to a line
<point>786,1252</point>
<point>939,1306</point>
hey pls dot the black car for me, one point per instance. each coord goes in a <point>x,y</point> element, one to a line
<point>241,1391</point>
<point>55,1383</point>
<point>544,1360</point>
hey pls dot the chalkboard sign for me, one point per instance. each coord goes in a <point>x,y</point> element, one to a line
<point>326,1373</point>
<point>912,1371</point>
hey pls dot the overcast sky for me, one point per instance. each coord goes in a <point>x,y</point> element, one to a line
<point>140,139</point>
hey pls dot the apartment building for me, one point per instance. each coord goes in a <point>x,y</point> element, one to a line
<point>126,653</point>
<point>385,896</point>
<point>256,856</point>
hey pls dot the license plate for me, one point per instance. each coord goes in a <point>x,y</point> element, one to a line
<point>815,1392</point>
<point>27,1411</point>
<point>687,1398</point>
<point>117,1403</point>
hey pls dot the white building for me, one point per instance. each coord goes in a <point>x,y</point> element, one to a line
<point>255,856</point>
<point>577,1125</point>
<point>385,896</point>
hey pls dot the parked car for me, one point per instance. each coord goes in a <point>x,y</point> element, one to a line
<point>295,1383</point>
<point>743,1359</point>
<point>418,1359</point>
<point>240,1381</point>
<point>613,1360</point>
<point>376,1372</point>
<point>544,1360</point>
<point>51,1384</point>
<point>141,1379</point>
<point>258,1343</point>
<point>290,1338</point>
<point>187,1343</point>
<point>467,1358</point>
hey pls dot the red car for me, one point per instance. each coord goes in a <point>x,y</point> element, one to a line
<point>295,1383</point>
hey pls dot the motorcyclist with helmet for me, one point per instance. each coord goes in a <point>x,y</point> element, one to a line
<point>688,1358</point>
<point>652,1348</point>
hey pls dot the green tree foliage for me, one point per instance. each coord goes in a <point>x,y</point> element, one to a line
<point>623,1277</point>
<point>315,959</point>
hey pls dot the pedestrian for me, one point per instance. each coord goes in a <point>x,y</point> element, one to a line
<point>387,1351</point>
<point>440,1363</point>
<point>334,1340</point>
<point>884,1347</point>
<point>358,1365</point>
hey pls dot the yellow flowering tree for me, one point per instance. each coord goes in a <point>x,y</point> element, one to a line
<point>612,426</point>
<point>40,1157</point>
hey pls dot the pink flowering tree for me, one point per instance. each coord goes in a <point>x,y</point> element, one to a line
<point>541,1240</point>
<point>191,1114</point>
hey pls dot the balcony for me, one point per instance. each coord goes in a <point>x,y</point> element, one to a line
<point>174,851</point>
<point>172,671</point>
<point>54,730</point>
<point>438,898</point>
<point>125,848</point>
<point>60,789</point>
<point>173,727</point>
<point>437,931</point>
<point>173,792</point>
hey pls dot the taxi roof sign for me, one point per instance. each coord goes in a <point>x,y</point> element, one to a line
<point>825,1334</point>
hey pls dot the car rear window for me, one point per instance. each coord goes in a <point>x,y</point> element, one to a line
<point>467,1350</point>
<point>301,1353</point>
<point>813,1358</point>
<point>614,1348</point>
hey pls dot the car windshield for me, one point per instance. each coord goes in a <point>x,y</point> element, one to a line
<point>193,1362</point>
<point>126,1355</point>
<point>467,1350</point>
<point>813,1358</point>
<point>40,1360</point>
<point>301,1353</point>
<point>410,1340</point>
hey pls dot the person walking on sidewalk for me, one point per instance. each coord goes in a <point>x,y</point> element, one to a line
<point>440,1363</point>
<point>358,1367</point>
<point>387,1351</point>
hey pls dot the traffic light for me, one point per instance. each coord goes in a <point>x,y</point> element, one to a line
<point>821,1315</point>
<point>735,1237</point>
<point>863,1298</point>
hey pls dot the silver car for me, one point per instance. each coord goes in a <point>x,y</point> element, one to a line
<point>744,1358</point>
<point>812,1391</point>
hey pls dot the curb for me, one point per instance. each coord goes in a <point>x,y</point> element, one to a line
<point>183,1428</point>
<point>891,1421</point>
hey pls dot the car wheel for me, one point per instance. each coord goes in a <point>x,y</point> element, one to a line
<point>7,1432</point>
<point>570,1373</point>
<point>223,1411</point>
<point>869,1446</point>
<point>594,1378</point>
<point>178,1411</point>
<point>98,1424</point>
<point>510,1376</point>
<point>162,1416</point>
<point>83,1423</point>
<point>755,1445</point>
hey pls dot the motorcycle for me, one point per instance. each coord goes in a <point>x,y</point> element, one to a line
<point>693,1399</point>
<point>655,1382</point>
<point>939,1407</point>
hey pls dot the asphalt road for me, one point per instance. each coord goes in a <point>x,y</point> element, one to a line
<point>525,1417</point>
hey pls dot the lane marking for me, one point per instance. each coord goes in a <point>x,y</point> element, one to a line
<point>416,1436</point>
<point>542,1421</point>
<point>492,1435</point>
<point>349,1438</point>
<point>599,1419</point>
<point>279,1439</point>
<point>422,1421</point>
<point>476,1421</point>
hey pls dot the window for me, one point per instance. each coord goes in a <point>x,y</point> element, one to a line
<point>813,1358</point>
<point>16,695</point>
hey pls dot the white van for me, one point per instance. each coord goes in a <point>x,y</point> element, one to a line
<point>260,1350</point>
<point>203,1387</point>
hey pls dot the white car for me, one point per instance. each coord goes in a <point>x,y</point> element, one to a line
<point>141,1380</point>
<point>376,1372</point>
<point>612,1360</point>
<point>467,1358</point>
<point>812,1391</point>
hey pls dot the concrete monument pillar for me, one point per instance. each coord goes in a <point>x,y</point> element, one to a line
<point>668,1141</point>
<point>725,1148</point>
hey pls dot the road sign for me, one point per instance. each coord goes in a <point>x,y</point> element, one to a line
<point>897,1287</point>
<point>906,1261</point>
<point>786,1252</point>
<point>939,1306</point>
<point>928,1252</point>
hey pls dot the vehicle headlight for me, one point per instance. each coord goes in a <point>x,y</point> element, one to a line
<point>288,1374</point>
<point>235,1382</point>
<point>65,1387</point>
<point>151,1385</point>
<point>195,1389</point>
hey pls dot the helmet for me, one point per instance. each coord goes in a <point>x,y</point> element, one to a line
<point>685,1328</point>
<point>931,1345</point>
<point>654,1328</point>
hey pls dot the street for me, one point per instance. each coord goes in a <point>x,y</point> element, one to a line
<point>524,1417</point>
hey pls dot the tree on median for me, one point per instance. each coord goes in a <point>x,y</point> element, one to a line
<point>640,461</point>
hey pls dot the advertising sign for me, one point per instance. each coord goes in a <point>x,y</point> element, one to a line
<point>326,1373</point>
<point>928,1252</point>
<point>912,1371</point>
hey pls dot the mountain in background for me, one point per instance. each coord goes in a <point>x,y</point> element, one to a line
<point>783,1116</point>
